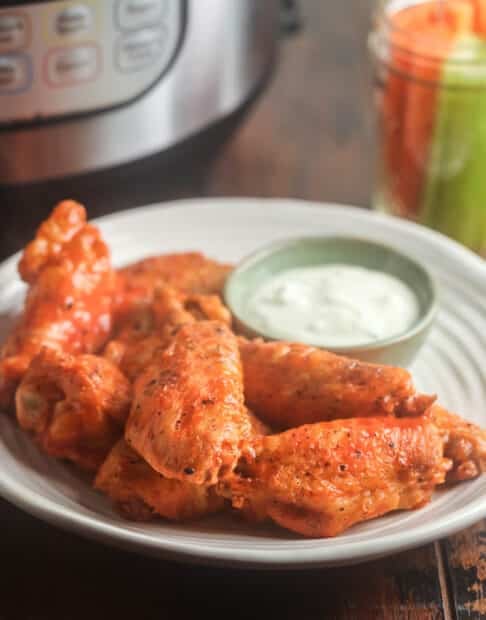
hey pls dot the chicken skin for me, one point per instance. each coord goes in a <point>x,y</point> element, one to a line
<point>287,385</point>
<point>150,329</point>
<point>188,419</point>
<point>69,303</point>
<point>140,493</point>
<point>68,218</point>
<point>320,479</point>
<point>75,406</point>
<point>191,273</point>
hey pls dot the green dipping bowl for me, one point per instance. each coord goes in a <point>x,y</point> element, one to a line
<point>399,350</point>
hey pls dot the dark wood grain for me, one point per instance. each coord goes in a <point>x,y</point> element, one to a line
<point>310,136</point>
<point>466,571</point>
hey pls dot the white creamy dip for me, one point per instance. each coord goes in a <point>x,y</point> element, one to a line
<point>333,305</point>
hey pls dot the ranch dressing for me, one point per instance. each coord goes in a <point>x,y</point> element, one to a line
<point>333,305</point>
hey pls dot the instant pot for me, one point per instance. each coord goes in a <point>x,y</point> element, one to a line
<point>89,85</point>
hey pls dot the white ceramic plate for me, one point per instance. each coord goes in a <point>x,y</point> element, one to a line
<point>452,364</point>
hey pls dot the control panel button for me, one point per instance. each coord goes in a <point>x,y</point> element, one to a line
<point>134,14</point>
<point>71,65</point>
<point>14,32</point>
<point>15,73</point>
<point>73,20</point>
<point>140,49</point>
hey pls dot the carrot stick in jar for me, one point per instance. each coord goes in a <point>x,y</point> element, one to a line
<point>421,38</point>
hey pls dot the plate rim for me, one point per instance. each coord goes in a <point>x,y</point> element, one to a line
<point>67,518</point>
<point>70,520</point>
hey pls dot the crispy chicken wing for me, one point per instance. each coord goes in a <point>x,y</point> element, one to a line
<point>188,418</point>
<point>69,303</point>
<point>140,493</point>
<point>320,479</point>
<point>75,406</point>
<point>191,273</point>
<point>150,329</point>
<point>465,444</point>
<point>287,385</point>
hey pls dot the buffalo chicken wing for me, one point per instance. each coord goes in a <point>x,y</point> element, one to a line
<point>465,444</point>
<point>140,493</point>
<point>287,385</point>
<point>320,479</point>
<point>75,406</point>
<point>69,304</point>
<point>188,418</point>
<point>191,273</point>
<point>150,329</point>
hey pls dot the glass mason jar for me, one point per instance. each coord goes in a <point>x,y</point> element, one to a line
<point>430,60</point>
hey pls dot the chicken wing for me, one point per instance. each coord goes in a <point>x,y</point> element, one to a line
<point>188,419</point>
<point>75,406</point>
<point>465,444</point>
<point>150,329</point>
<point>320,479</point>
<point>140,493</point>
<point>287,385</point>
<point>191,273</point>
<point>69,303</point>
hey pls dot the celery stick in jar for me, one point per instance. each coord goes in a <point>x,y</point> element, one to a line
<point>455,190</point>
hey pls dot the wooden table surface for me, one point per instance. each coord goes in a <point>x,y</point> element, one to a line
<point>310,136</point>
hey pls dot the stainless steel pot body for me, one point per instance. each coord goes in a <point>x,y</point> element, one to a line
<point>91,84</point>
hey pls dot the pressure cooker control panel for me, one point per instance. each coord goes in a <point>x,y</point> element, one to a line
<point>61,58</point>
